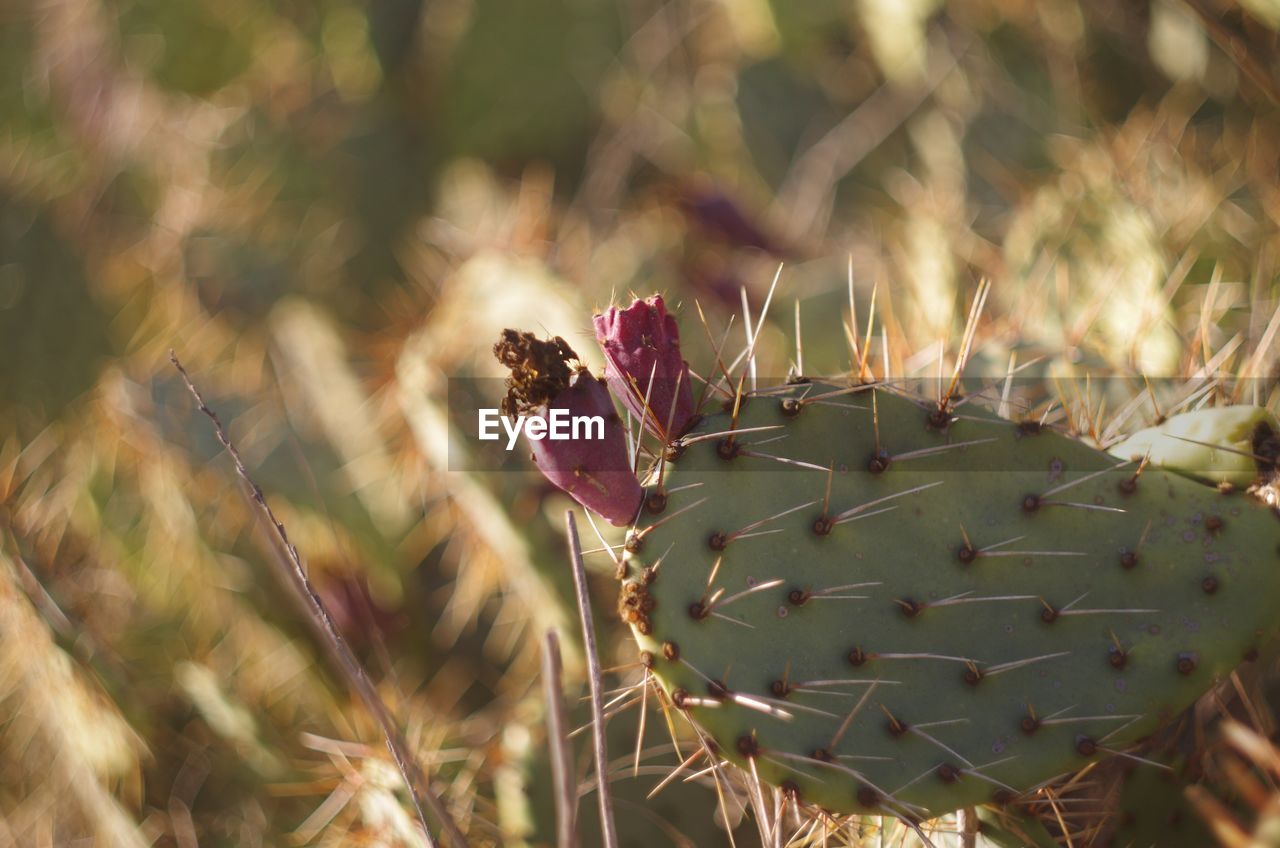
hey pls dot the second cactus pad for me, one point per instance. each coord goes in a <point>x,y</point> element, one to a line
<point>879,606</point>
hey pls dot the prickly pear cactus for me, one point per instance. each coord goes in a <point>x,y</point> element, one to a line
<point>880,606</point>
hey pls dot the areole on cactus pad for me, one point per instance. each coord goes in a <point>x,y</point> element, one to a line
<point>879,605</point>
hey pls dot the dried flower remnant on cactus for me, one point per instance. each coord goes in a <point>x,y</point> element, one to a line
<point>539,369</point>
<point>593,471</point>
<point>642,353</point>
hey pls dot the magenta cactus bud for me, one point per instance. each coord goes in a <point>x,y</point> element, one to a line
<point>591,464</point>
<point>642,359</point>
<point>593,471</point>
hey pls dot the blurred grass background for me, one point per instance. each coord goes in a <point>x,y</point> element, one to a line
<point>330,208</point>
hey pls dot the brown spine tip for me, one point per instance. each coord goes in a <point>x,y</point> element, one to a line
<point>1129,560</point>
<point>1186,663</point>
<point>857,657</point>
<point>1030,503</point>
<point>727,449</point>
<point>948,773</point>
<point>879,462</point>
<point>670,651</point>
<point>1086,746</point>
<point>748,746</point>
<point>1209,585</point>
<point>1117,658</point>
<point>656,502</point>
<point>938,419</point>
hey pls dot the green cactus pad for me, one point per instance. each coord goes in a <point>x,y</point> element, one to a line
<point>982,605</point>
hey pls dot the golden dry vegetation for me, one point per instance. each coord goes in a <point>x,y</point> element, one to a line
<point>330,210</point>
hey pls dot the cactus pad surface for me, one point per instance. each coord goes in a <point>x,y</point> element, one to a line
<point>879,606</point>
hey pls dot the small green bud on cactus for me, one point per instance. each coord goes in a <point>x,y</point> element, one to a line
<point>1230,444</point>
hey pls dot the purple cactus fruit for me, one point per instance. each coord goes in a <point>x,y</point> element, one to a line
<point>642,359</point>
<point>590,462</point>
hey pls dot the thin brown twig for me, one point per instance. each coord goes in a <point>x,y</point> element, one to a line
<point>357,678</point>
<point>566,787</point>
<point>608,830</point>
<point>969,827</point>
